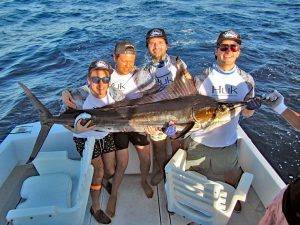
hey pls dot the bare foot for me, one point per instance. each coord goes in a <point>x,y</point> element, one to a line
<point>111,206</point>
<point>147,189</point>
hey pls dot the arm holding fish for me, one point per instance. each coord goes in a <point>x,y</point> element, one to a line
<point>161,133</point>
<point>70,98</point>
<point>78,96</point>
<point>253,102</point>
<point>80,128</point>
<point>248,112</point>
<point>276,102</point>
<point>183,67</point>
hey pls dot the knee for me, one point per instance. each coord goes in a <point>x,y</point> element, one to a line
<point>122,165</point>
<point>109,172</point>
<point>98,172</point>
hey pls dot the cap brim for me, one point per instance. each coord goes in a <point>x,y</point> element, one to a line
<point>239,41</point>
<point>102,68</point>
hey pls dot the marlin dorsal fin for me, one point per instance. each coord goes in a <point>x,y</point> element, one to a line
<point>178,88</point>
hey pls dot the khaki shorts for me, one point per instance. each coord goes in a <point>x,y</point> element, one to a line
<point>212,162</point>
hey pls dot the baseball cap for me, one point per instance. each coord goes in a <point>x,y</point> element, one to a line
<point>126,47</point>
<point>156,32</point>
<point>229,35</point>
<point>100,64</point>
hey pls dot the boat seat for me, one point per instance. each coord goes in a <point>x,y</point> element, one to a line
<point>59,194</point>
<point>34,189</point>
<point>203,201</point>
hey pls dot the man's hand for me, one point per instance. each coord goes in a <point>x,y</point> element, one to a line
<point>253,103</point>
<point>68,99</point>
<point>275,101</point>
<point>151,130</point>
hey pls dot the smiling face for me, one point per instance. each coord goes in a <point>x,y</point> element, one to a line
<point>226,59</point>
<point>157,48</point>
<point>99,82</point>
<point>124,63</point>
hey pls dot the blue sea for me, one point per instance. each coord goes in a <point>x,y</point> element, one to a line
<point>49,44</point>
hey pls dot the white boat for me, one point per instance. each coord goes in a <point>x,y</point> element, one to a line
<point>133,207</point>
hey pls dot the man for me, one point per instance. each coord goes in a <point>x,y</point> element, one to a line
<point>215,154</point>
<point>98,77</point>
<point>276,101</point>
<point>133,83</point>
<point>163,67</point>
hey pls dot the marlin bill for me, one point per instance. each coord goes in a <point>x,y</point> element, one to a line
<point>178,102</point>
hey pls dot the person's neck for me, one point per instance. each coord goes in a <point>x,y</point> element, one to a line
<point>122,74</point>
<point>226,67</point>
<point>99,96</point>
<point>159,59</point>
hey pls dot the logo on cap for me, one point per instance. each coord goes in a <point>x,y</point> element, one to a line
<point>156,33</point>
<point>230,34</point>
<point>101,64</point>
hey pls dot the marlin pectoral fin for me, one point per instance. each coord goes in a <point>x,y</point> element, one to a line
<point>189,126</point>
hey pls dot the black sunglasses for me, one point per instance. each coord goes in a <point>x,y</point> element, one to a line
<point>233,48</point>
<point>96,80</point>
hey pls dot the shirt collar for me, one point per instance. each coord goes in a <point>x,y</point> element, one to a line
<point>215,67</point>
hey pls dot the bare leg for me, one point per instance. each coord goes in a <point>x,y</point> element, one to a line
<point>96,182</point>
<point>144,156</point>
<point>121,165</point>
<point>109,160</point>
<point>233,178</point>
<point>160,156</point>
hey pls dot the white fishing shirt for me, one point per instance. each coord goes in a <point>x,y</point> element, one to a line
<point>164,72</point>
<point>126,84</point>
<point>229,86</point>
<point>92,102</point>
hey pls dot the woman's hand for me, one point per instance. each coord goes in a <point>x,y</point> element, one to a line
<point>79,128</point>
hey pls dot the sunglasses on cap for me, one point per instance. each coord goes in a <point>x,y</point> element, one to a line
<point>97,80</point>
<point>233,48</point>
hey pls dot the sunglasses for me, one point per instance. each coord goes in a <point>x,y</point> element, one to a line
<point>233,48</point>
<point>96,80</point>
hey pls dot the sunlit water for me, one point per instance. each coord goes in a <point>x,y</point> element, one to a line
<point>48,46</point>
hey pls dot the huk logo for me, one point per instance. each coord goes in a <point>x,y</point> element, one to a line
<point>119,86</point>
<point>232,90</point>
<point>164,81</point>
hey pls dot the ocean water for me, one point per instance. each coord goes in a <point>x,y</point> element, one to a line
<point>48,46</point>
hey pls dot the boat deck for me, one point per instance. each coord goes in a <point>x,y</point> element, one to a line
<point>133,207</point>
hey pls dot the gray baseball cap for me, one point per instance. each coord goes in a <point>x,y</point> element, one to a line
<point>126,47</point>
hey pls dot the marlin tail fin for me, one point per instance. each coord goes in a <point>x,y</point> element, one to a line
<point>45,119</point>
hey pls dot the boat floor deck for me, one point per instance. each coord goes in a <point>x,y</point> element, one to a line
<point>133,207</point>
